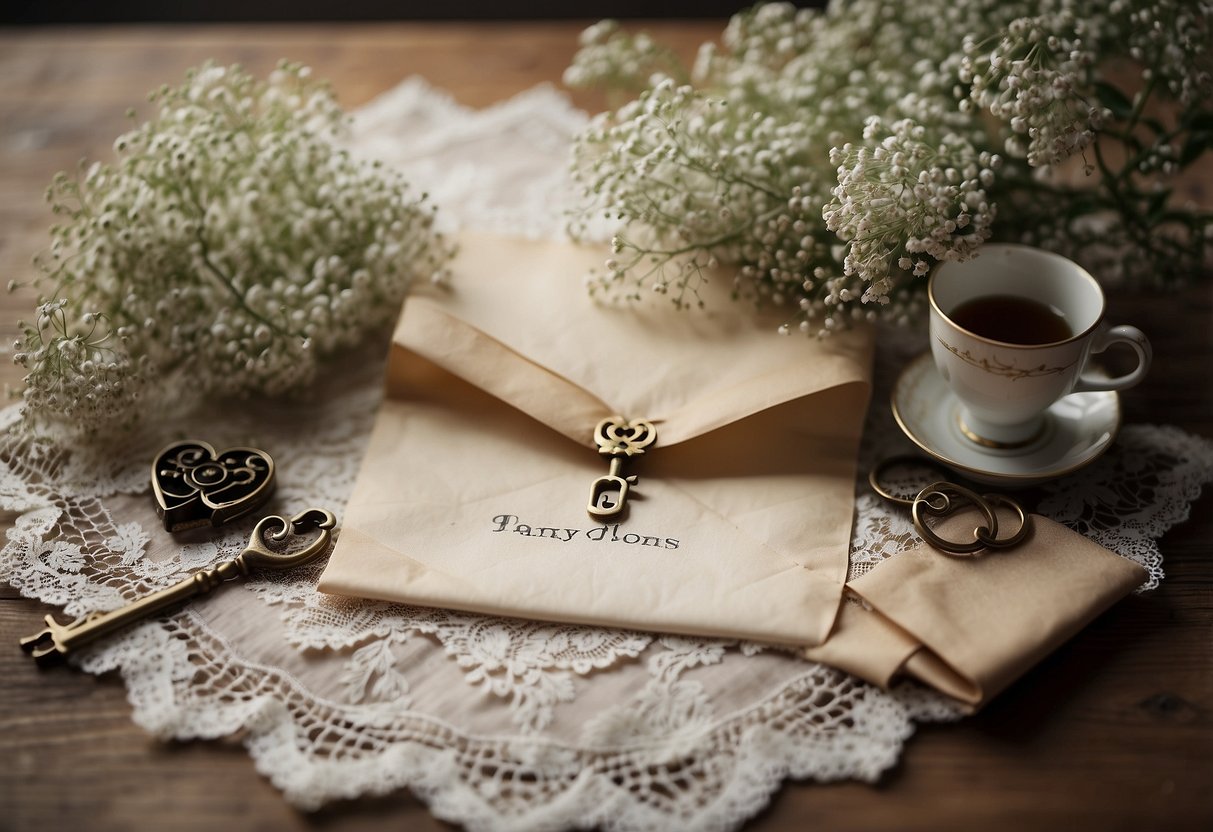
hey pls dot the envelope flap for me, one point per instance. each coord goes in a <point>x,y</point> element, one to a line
<point>521,325</point>
<point>476,357</point>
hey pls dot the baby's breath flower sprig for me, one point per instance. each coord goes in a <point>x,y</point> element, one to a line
<point>1042,77</point>
<point>903,202</point>
<point>1033,78</point>
<point>230,248</point>
<point>832,157</point>
<point>620,63</point>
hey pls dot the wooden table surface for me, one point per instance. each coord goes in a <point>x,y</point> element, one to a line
<point>1114,731</point>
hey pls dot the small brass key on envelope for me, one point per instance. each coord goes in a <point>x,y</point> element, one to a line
<point>57,640</point>
<point>617,438</point>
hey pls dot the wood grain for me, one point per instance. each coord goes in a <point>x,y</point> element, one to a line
<point>1114,731</point>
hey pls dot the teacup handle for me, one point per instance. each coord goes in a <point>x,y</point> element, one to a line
<point>1104,338</point>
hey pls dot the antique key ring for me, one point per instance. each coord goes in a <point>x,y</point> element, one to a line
<point>941,498</point>
<point>264,551</point>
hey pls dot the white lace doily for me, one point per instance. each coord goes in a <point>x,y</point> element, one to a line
<point>495,723</point>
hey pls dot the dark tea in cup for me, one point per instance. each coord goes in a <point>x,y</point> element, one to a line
<point>1012,320</point>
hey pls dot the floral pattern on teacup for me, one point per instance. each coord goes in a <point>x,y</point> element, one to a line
<point>999,368</point>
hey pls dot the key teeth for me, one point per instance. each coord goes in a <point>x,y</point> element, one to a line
<point>42,645</point>
<point>48,656</point>
<point>30,643</point>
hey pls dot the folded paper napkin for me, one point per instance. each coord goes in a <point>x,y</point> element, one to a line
<point>474,488</point>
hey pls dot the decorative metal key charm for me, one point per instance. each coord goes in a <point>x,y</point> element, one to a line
<point>195,485</point>
<point>59,640</point>
<point>617,438</point>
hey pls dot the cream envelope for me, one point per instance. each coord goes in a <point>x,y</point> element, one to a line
<point>474,488</point>
<point>473,493</point>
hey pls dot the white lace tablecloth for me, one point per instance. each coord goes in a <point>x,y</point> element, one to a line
<point>495,723</point>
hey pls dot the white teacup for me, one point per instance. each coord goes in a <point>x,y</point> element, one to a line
<point>1005,387</point>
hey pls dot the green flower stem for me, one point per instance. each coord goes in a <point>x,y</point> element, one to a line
<point>235,293</point>
<point>1139,103</point>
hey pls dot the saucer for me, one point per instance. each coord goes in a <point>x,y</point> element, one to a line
<point>1078,429</point>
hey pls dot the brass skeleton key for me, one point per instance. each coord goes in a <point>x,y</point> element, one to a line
<point>617,438</point>
<point>57,640</point>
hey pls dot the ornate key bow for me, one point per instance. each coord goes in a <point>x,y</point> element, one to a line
<point>617,438</point>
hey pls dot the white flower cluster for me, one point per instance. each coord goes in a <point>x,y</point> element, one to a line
<point>715,183</point>
<point>1034,79</point>
<point>79,370</point>
<point>906,200</point>
<point>832,156</point>
<point>612,58</point>
<point>231,247</point>
<point>1173,41</point>
<point>772,34</point>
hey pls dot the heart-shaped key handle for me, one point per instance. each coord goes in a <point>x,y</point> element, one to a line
<point>617,437</point>
<point>194,485</point>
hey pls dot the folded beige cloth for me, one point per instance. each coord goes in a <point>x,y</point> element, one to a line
<point>474,487</point>
<point>971,626</point>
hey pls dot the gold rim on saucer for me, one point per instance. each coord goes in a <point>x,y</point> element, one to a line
<point>999,477</point>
